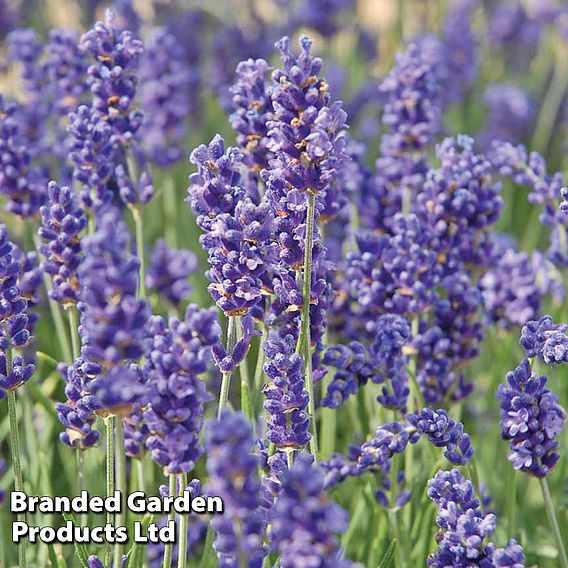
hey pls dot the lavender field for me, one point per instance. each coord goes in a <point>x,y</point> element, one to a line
<point>283,283</point>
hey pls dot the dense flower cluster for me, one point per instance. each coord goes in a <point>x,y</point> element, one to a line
<point>178,356</point>
<point>112,77</point>
<point>165,94</point>
<point>364,257</point>
<point>530,170</point>
<point>286,397</point>
<point>531,419</point>
<point>78,413</point>
<point>62,223</point>
<point>465,527</point>
<point>21,182</point>
<point>168,272</point>
<point>303,522</point>
<point>232,469</point>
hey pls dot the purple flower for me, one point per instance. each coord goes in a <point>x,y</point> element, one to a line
<point>459,201</point>
<point>443,432</point>
<point>168,272</point>
<point>464,526</point>
<point>510,113</point>
<point>304,521</point>
<point>412,115</point>
<point>166,83</point>
<point>62,223</point>
<point>13,306</point>
<point>253,110</point>
<point>460,48</point>
<point>514,287</point>
<point>112,77</point>
<point>531,170</point>
<point>232,467</point>
<point>79,412</point>
<point>112,318</point>
<point>178,356</point>
<point>286,397</point>
<point>22,183</point>
<point>216,187</point>
<point>241,253</point>
<point>535,335</point>
<point>122,389</point>
<point>382,362</point>
<point>531,419</point>
<point>92,155</point>
<point>306,134</point>
<point>14,376</point>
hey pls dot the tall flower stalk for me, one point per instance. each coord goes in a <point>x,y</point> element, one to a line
<point>14,334</point>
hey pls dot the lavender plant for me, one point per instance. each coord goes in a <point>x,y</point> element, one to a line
<point>320,330</point>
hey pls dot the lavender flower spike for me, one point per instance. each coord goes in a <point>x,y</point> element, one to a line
<point>531,419</point>
<point>232,469</point>
<point>304,522</point>
<point>286,397</point>
<point>465,527</point>
<point>62,223</point>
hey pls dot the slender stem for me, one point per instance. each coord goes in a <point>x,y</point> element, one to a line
<point>474,474</point>
<point>74,331</point>
<point>512,504</point>
<point>208,551</point>
<point>140,474</point>
<point>246,404</point>
<point>402,550</point>
<point>168,548</point>
<point>551,105</point>
<point>170,210</point>
<point>81,481</point>
<point>304,338</point>
<point>120,460</point>
<point>182,549</point>
<point>55,311</point>
<point>549,505</point>
<point>259,368</point>
<point>226,380</point>
<point>16,464</point>
<point>109,477</point>
<point>290,458</point>
<point>137,216</point>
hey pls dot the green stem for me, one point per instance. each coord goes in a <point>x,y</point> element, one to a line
<point>549,505</point>
<point>551,105</point>
<point>16,464</point>
<point>83,519</point>
<point>304,338</point>
<point>290,458</point>
<point>55,311</point>
<point>226,380</point>
<point>109,477</point>
<point>137,216</point>
<point>246,404</point>
<point>512,504</point>
<point>168,548</point>
<point>403,557</point>
<point>140,474</point>
<point>474,474</point>
<point>74,331</point>
<point>170,211</point>
<point>259,367</point>
<point>208,552</point>
<point>120,460</point>
<point>182,550</point>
